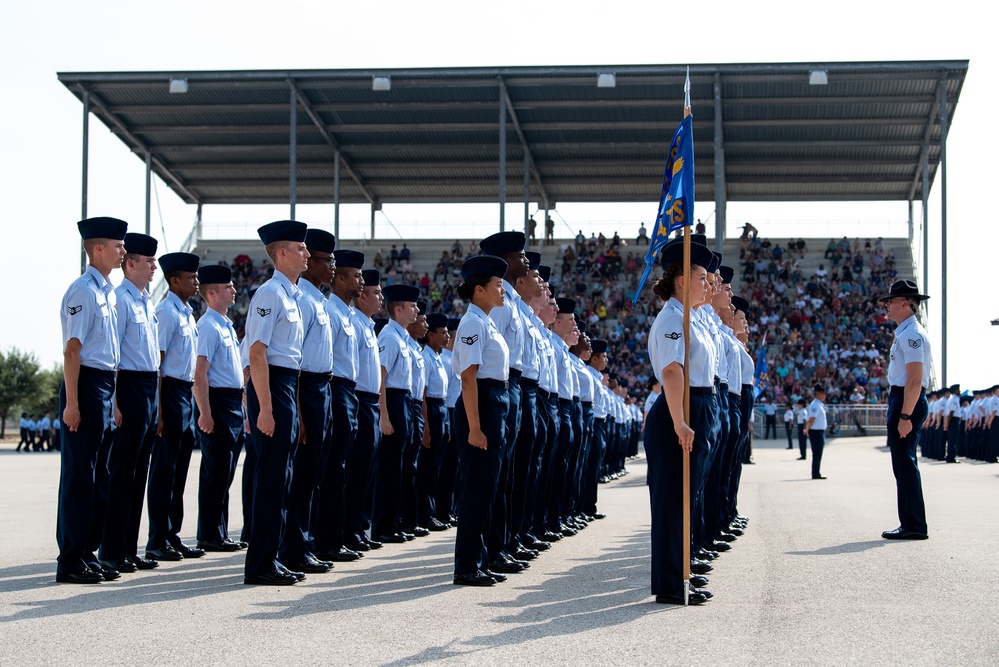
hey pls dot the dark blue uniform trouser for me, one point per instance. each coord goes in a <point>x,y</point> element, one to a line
<point>446,461</point>
<point>954,430</point>
<point>818,440</point>
<point>410,497</point>
<point>499,524</point>
<point>524,459</point>
<point>911,509</point>
<point>714,490</point>
<point>558,474</point>
<point>700,482</point>
<point>426,470</point>
<point>387,489</point>
<point>578,495</point>
<point>327,523</point>
<point>170,462</point>
<point>479,470</point>
<point>802,441</point>
<point>726,509</point>
<point>310,461</point>
<point>572,458</point>
<point>219,453</point>
<point>546,455</point>
<point>594,458</point>
<point>79,476</point>
<point>128,463</point>
<point>665,460</point>
<point>273,471</point>
<point>360,461</point>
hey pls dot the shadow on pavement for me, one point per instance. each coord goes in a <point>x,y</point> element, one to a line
<point>848,548</point>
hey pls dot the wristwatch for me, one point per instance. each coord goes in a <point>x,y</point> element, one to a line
<point>904,417</point>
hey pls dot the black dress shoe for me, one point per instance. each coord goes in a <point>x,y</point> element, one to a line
<point>677,598</point>
<point>506,566</point>
<point>725,537</point>
<point>344,555</point>
<point>900,534</point>
<point>541,545</point>
<point>85,577</point>
<point>242,544</point>
<point>300,576</point>
<point>599,515</point>
<point>188,552</point>
<point>223,546</point>
<point>276,578</point>
<point>477,578</point>
<point>374,544</point>
<point>436,526</point>
<point>720,546</point>
<point>312,566</point>
<point>394,538</point>
<point>417,531</point>
<point>107,572</point>
<point>700,567</point>
<point>704,554</point>
<point>143,563</point>
<point>500,578</point>
<point>358,546</point>
<point>735,530</point>
<point>802,458</point>
<point>551,536</point>
<point>525,554</point>
<point>164,553</point>
<point>744,519</point>
<point>698,580</point>
<point>818,477</point>
<point>123,565</point>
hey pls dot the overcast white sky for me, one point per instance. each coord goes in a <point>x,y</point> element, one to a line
<point>40,120</point>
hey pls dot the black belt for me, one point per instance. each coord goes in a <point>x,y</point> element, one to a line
<point>588,403</point>
<point>225,392</point>
<point>99,372</point>
<point>435,401</point>
<point>545,394</point>
<point>320,377</point>
<point>723,386</point>
<point>368,396</point>
<point>514,373</point>
<point>138,375</point>
<point>389,390</point>
<point>489,382</point>
<point>350,384</point>
<point>599,419</point>
<point>281,370</point>
<point>529,383</point>
<point>185,383</point>
<point>702,391</point>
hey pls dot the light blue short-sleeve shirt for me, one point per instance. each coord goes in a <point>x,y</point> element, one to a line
<point>88,314</point>
<point>369,367</point>
<point>177,333</point>
<point>218,345</point>
<point>479,342</point>
<point>275,320</point>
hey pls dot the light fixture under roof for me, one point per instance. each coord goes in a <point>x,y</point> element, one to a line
<point>606,80</point>
<point>818,77</point>
<point>178,85</point>
<point>381,83</point>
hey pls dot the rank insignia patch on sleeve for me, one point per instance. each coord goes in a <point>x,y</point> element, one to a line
<point>676,335</point>
<point>914,343</point>
<point>263,312</point>
<point>469,340</point>
<point>73,310</point>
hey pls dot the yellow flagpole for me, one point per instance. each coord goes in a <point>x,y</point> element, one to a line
<point>686,381</point>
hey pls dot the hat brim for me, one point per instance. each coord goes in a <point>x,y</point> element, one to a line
<point>918,297</point>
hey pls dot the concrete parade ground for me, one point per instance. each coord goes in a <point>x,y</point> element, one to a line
<point>811,582</point>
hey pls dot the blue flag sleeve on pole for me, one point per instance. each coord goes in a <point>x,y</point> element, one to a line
<point>676,203</point>
<point>761,380</point>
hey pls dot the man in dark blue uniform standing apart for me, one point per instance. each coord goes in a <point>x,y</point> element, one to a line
<point>909,376</point>
<point>90,358</point>
<point>274,335</point>
<point>171,458</point>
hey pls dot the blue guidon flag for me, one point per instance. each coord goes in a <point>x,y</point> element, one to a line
<point>761,379</point>
<point>676,203</point>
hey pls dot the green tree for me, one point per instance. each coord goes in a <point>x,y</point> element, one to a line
<point>21,382</point>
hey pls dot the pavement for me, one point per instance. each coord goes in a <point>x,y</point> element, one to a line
<point>810,583</point>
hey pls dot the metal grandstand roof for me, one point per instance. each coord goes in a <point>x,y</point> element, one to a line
<point>434,136</point>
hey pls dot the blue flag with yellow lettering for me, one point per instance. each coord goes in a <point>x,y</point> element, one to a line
<point>761,379</point>
<point>676,203</point>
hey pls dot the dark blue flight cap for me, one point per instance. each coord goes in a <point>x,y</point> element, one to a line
<point>214,274</point>
<point>533,259</point>
<point>598,346</point>
<point>401,293</point>
<point>380,323</point>
<point>699,238</point>
<point>179,261</point>
<point>372,277</point>
<point>483,264</point>
<point>740,303</point>
<point>349,259</point>
<point>545,272</point>
<point>716,260</point>
<point>437,320</point>
<point>421,306</point>
<point>321,240</point>
<point>672,253</point>
<point>565,304</point>
<point>102,228</point>
<point>140,244</point>
<point>503,243</point>
<point>452,323</point>
<point>727,273</point>
<point>283,230</point>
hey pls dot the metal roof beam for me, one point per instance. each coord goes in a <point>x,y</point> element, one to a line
<point>523,141</point>
<point>931,123</point>
<point>328,136</point>
<point>138,146</point>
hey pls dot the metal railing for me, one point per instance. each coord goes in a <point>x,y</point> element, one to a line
<point>842,421</point>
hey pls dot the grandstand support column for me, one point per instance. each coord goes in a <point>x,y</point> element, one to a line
<point>336,195</point>
<point>373,209</point>
<point>149,182</point>
<point>942,87</point>
<point>292,152</point>
<point>197,223</point>
<point>84,172</point>
<point>527,197</point>
<point>721,201</point>
<point>502,158</point>
<point>926,221</point>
